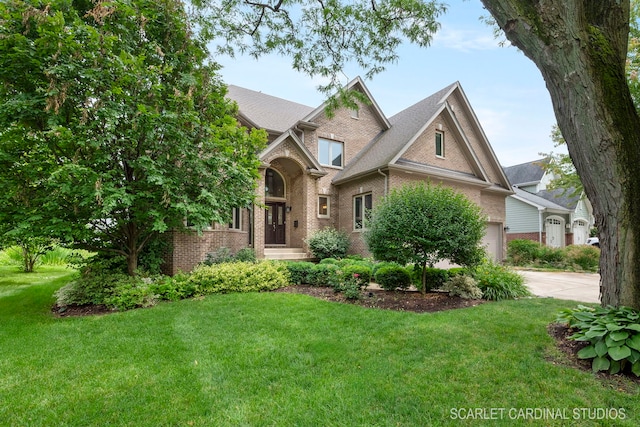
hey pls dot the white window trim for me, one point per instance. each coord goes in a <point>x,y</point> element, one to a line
<point>331,142</point>
<point>364,210</point>
<point>442,145</point>
<point>328,215</point>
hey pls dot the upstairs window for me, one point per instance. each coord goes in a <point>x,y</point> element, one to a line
<point>362,205</point>
<point>273,184</point>
<point>439,144</point>
<point>330,153</point>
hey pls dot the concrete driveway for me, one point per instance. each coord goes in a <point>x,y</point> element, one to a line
<point>583,287</point>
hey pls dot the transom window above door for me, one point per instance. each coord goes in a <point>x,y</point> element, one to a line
<point>273,184</point>
<point>330,153</point>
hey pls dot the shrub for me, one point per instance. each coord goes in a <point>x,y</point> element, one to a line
<point>552,257</point>
<point>299,272</point>
<point>392,277</point>
<point>498,282</point>
<point>378,265</point>
<point>583,257</point>
<point>220,256</point>
<point>436,278</point>
<point>245,255</point>
<point>132,292</point>
<point>330,261</point>
<point>239,277</point>
<point>463,286</point>
<point>324,275</point>
<point>361,273</point>
<point>95,282</point>
<point>328,243</point>
<point>522,251</point>
<point>613,335</point>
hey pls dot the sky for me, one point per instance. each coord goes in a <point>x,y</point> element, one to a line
<point>505,88</point>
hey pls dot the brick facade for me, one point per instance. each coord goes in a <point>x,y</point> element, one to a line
<point>294,156</point>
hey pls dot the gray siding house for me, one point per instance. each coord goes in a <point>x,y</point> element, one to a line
<point>547,216</point>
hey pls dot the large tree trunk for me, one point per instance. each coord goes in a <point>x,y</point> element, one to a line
<point>580,47</point>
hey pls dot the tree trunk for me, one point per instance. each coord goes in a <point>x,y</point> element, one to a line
<point>580,47</point>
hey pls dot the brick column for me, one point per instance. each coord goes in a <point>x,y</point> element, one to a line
<point>258,217</point>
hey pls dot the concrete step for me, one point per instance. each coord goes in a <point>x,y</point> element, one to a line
<point>291,254</point>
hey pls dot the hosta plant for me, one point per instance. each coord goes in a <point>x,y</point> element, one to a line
<point>613,335</point>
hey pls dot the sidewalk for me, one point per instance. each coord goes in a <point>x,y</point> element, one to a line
<point>583,287</point>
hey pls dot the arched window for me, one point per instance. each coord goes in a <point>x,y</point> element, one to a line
<point>274,184</point>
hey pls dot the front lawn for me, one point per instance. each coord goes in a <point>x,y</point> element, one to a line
<point>289,360</point>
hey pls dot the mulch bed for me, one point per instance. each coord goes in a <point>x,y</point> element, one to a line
<point>389,300</point>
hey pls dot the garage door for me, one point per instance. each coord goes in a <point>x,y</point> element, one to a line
<point>493,241</point>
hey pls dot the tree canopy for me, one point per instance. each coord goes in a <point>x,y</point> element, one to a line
<point>424,224</point>
<point>114,126</point>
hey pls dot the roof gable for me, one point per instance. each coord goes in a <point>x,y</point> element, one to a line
<point>408,125</point>
<point>526,173</point>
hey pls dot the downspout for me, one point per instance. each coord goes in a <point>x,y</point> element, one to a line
<point>386,181</point>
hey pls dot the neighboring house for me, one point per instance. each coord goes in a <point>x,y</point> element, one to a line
<point>328,171</point>
<point>546,216</point>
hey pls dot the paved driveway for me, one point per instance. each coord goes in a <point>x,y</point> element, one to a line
<point>583,287</point>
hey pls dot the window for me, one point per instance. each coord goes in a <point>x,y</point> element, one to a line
<point>439,144</point>
<point>274,184</point>
<point>236,219</point>
<point>362,205</point>
<point>355,113</point>
<point>330,152</point>
<point>323,206</point>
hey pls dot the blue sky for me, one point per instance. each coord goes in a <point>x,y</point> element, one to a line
<point>505,88</point>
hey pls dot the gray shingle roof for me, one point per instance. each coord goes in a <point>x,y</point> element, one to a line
<point>266,111</point>
<point>537,200</point>
<point>526,172</point>
<point>404,126</point>
<point>560,197</point>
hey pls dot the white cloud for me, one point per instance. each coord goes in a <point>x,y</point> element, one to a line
<point>465,40</point>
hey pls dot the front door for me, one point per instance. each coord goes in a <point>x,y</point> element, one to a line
<point>274,224</point>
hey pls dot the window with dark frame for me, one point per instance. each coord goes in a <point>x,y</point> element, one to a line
<point>236,219</point>
<point>439,144</point>
<point>362,205</point>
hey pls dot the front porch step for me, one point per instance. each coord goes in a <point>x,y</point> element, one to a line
<point>289,254</point>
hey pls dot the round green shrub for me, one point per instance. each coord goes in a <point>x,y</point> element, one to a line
<point>499,283</point>
<point>463,286</point>
<point>328,243</point>
<point>361,273</point>
<point>299,271</point>
<point>582,257</point>
<point>522,251</point>
<point>392,277</point>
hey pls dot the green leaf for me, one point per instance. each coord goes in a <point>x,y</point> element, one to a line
<point>613,343</point>
<point>615,367</point>
<point>619,353</point>
<point>600,364</point>
<point>635,368</point>
<point>619,335</point>
<point>613,326</point>
<point>633,327</point>
<point>634,342</point>
<point>593,333</point>
<point>601,348</point>
<point>587,353</point>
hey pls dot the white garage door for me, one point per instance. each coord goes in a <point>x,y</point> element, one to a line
<point>580,232</point>
<point>493,241</point>
<point>554,227</point>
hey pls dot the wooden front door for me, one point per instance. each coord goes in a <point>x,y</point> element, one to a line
<point>274,223</point>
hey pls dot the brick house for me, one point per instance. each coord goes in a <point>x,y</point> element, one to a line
<point>319,171</point>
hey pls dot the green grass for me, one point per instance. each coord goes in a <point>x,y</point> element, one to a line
<point>282,360</point>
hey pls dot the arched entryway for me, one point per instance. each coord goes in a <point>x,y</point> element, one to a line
<point>554,229</point>
<point>275,191</point>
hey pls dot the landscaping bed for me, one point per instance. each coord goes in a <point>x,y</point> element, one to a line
<point>389,300</point>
